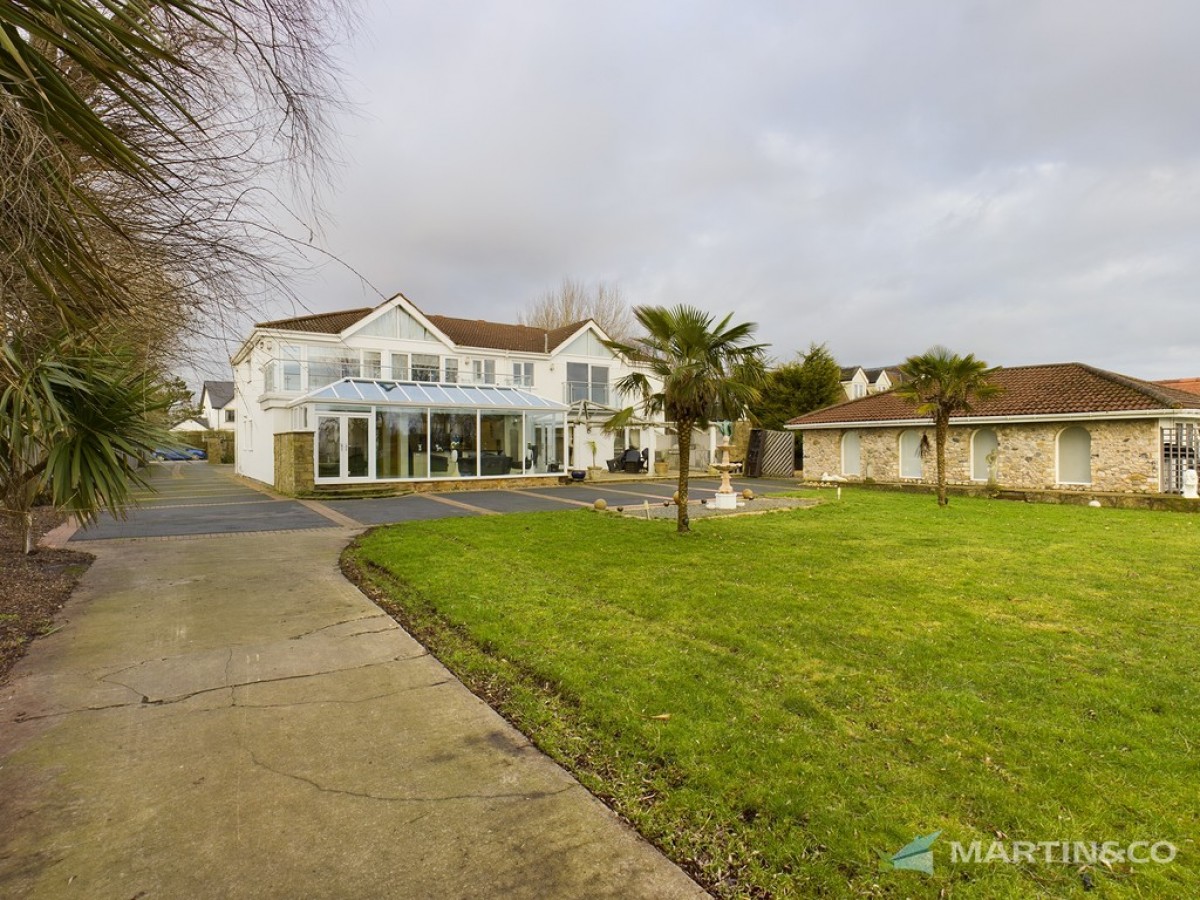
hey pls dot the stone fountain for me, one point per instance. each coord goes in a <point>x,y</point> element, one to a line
<point>726,498</point>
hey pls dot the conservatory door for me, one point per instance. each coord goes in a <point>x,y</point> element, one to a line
<point>343,447</point>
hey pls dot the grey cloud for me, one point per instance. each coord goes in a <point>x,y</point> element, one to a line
<point>1016,179</point>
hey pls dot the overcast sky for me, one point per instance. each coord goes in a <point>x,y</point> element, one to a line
<point>1016,179</point>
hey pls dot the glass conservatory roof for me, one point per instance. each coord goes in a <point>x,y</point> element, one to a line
<point>419,393</point>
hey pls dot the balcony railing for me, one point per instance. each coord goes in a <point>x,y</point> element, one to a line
<point>595,391</point>
<point>292,377</point>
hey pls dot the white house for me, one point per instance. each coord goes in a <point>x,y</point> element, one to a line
<point>218,407</point>
<point>190,424</point>
<point>391,394</point>
<point>859,382</point>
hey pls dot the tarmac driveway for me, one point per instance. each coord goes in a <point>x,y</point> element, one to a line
<point>196,498</point>
<point>192,498</point>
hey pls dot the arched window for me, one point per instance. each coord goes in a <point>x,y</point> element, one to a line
<point>1074,456</point>
<point>984,443</point>
<point>911,464</point>
<point>851,453</point>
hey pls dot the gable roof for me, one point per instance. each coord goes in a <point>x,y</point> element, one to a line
<point>462,332</point>
<point>499,336</point>
<point>893,374</point>
<point>220,393</point>
<point>1056,389</point>
<point>848,372</point>
<point>200,425</point>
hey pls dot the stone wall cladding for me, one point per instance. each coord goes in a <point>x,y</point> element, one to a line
<point>294,462</point>
<point>1125,455</point>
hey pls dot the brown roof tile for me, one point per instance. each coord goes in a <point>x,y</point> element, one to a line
<point>1191,385</point>
<point>1060,388</point>
<point>498,336</point>
<point>463,332</point>
<point>321,323</point>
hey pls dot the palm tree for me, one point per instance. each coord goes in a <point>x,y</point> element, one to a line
<point>942,384</point>
<point>74,419</point>
<point>140,126</point>
<point>695,372</point>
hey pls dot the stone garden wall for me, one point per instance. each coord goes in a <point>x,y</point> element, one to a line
<point>294,462</point>
<point>1125,455</point>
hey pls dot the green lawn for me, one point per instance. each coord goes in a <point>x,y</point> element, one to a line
<point>841,679</point>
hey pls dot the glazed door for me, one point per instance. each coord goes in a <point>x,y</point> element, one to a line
<point>343,447</point>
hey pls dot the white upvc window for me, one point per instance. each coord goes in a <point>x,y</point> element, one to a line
<point>372,364</point>
<point>399,371</point>
<point>291,362</point>
<point>425,367</point>
<point>484,371</point>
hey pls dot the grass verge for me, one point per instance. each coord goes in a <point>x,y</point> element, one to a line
<point>777,701</point>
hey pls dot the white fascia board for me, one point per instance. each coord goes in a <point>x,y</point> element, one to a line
<point>281,334</point>
<point>1002,420</point>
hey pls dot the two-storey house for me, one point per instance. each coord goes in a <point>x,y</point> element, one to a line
<point>391,394</point>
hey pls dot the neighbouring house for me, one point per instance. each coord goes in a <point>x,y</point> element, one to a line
<point>191,424</point>
<point>1066,426</point>
<point>391,394</point>
<point>859,382</point>
<point>218,406</point>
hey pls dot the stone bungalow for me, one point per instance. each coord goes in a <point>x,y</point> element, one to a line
<point>1066,426</point>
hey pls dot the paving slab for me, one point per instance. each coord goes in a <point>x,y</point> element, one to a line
<point>229,717</point>
<point>387,510</point>
<point>508,501</point>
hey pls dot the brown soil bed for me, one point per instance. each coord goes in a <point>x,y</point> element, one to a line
<point>32,588</point>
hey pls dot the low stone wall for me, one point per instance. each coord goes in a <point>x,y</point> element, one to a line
<point>385,488</point>
<point>221,446</point>
<point>1168,502</point>
<point>294,463</point>
<point>1125,455</point>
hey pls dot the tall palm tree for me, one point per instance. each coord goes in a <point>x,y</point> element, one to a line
<point>942,384</point>
<point>695,372</point>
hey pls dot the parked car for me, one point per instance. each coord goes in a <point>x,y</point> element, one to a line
<point>195,453</point>
<point>167,453</point>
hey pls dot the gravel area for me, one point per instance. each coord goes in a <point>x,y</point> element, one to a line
<point>698,511</point>
<point>32,588</point>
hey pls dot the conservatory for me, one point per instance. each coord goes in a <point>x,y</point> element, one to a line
<point>367,430</point>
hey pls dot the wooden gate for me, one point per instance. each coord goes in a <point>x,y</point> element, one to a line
<point>1180,452</point>
<point>771,454</point>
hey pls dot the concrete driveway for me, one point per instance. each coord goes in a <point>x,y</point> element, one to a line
<point>226,716</point>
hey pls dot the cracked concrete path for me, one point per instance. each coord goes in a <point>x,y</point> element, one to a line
<point>229,717</point>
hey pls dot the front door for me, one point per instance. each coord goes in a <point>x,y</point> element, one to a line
<point>343,447</point>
